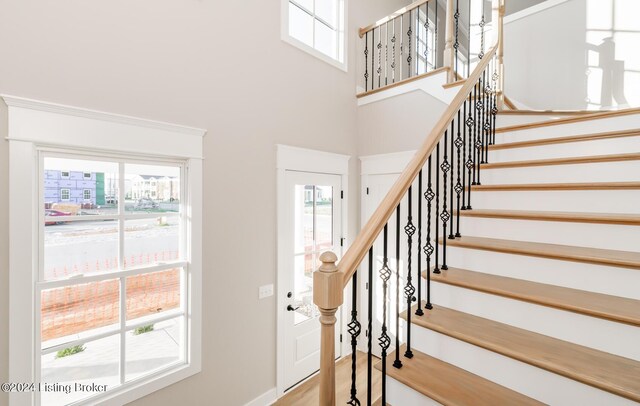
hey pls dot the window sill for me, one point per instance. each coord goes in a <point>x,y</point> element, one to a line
<point>312,51</point>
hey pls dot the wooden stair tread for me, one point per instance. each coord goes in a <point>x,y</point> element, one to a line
<point>563,216</point>
<point>599,256</point>
<point>558,186</point>
<point>565,140</point>
<point>450,385</point>
<point>564,161</point>
<point>613,308</point>
<point>549,112</point>
<point>569,120</point>
<point>602,370</point>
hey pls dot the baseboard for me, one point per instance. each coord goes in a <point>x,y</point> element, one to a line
<point>266,399</point>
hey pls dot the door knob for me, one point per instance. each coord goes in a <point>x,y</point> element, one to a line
<point>292,309</point>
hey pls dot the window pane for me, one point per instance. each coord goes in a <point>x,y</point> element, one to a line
<point>72,312</point>
<point>325,39</point>
<point>152,188</point>
<point>153,293</point>
<point>96,362</point>
<point>304,265</point>
<point>303,220</point>
<point>324,218</point>
<point>327,10</point>
<point>79,187</point>
<point>153,347</point>
<point>306,4</point>
<point>300,25</point>
<point>151,241</point>
<point>79,247</point>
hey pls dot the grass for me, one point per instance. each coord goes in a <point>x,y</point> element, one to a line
<point>143,329</point>
<point>70,351</point>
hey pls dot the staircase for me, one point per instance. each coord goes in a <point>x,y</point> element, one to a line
<point>541,298</point>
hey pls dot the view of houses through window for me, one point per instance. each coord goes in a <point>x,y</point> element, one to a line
<point>111,276</point>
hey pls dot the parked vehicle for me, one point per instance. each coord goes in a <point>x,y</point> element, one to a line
<point>145,203</point>
<point>55,213</point>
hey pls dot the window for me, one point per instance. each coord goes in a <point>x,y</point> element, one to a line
<point>316,26</point>
<point>92,287</point>
<point>65,195</point>
<point>110,283</point>
<point>64,174</point>
<point>87,175</point>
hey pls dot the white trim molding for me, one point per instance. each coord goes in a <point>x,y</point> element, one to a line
<point>309,160</point>
<point>36,127</point>
<point>267,398</point>
<point>532,10</point>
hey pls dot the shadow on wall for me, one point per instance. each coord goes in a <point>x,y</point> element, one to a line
<point>611,75</point>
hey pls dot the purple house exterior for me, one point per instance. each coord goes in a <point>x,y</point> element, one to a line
<point>69,187</point>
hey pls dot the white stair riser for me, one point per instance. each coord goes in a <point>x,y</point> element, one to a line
<point>620,123</point>
<point>620,145</point>
<point>402,395</point>
<point>628,171</point>
<point>507,120</point>
<point>576,275</point>
<point>561,324</point>
<point>607,236</point>
<point>531,381</point>
<point>599,201</point>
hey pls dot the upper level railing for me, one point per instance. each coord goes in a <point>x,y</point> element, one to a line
<point>424,37</point>
<point>443,172</point>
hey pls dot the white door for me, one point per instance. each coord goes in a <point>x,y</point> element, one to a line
<point>313,225</point>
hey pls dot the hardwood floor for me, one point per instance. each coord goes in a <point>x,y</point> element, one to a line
<point>307,393</point>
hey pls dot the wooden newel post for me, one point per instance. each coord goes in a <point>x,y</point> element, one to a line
<point>328,296</point>
<point>449,52</point>
<point>500,52</point>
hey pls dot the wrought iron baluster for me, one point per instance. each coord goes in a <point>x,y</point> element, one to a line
<point>464,155</point>
<point>379,46</point>
<point>370,290</point>
<point>353,328</point>
<point>386,53</point>
<point>393,53</point>
<point>436,268</point>
<point>397,363</point>
<point>409,32</point>
<point>435,38</point>
<point>482,24</point>
<point>366,62</point>
<point>456,43</point>
<point>444,216</point>
<point>384,340</point>
<point>428,247</point>
<point>494,108</point>
<point>426,37</point>
<point>417,51</point>
<point>469,163</point>
<point>419,251</point>
<point>487,114</point>
<point>451,184</point>
<point>478,114</point>
<point>401,44</point>
<point>459,142</point>
<point>409,289</point>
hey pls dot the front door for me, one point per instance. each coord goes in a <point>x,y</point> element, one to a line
<point>313,225</point>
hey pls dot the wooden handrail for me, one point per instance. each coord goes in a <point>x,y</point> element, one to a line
<point>391,16</point>
<point>367,236</point>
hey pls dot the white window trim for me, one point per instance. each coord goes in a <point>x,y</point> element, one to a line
<point>290,158</point>
<point>35,126</point>
<point>342,30</point>
<point>68,192</point>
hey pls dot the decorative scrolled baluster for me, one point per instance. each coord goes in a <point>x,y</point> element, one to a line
<point>444,216</point>
<point>409,289</point>
<point>464,154</point>
<point>451,184</point>
<point>419,251</point>
<point>384,341</point>
<point>397,363</point>
<point>436,268</point>
<point>409,36</point>
<point>435,38</point>
<point>379,46</point>
<point>481,24</point>
<point>353,328</point>
<point>469,164</point>
<point>494,108</point>
<point>401,44</point>
<point>393,53</point>
<point>386,53</point>
<point>366,62</point>
<point>456,43</point>
<point>479,126</point>
<point>459,142</point>
<point>428,246</point>
<point>487,115</point>
<point>426,37</point>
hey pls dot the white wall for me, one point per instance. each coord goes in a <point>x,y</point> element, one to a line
<point>399,123</point>
<point>557,59</point>
<point>185,62</point>
<point>4,252</point>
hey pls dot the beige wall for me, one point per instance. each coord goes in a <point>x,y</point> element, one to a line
<point>183,62</point>
<point>4,252</point>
